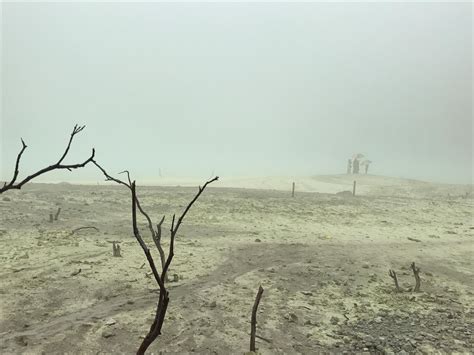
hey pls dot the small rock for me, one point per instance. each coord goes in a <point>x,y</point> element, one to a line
<point>107,333</point>
<point>334,320</point>
<point>293,318</point>
<point>213,304</point>
<point>24,256</point>
<point>6,199</point>
<point>307,293</point>
<point>110,321</point>
<point>366,265</point>
<point>258,240</point>
<point>408,348</point>
<point>21,340</point>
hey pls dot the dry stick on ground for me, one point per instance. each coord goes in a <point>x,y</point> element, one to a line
<point>56,216</point>
<point>116,249</point>
<point>163,300</point>
<point>416,272</point>
<point>57,166</point>
<point>81,228</point>
<point>253,322</point>
<point>393,275</point>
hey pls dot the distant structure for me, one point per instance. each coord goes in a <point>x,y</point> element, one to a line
<point>354,164</point>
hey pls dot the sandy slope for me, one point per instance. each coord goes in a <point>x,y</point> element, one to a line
<point>365,184</point>
<point>322,258</point>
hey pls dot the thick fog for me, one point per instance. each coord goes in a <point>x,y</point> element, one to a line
<point>239,89</point>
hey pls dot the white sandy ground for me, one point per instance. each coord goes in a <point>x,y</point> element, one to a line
<point>322,258</point>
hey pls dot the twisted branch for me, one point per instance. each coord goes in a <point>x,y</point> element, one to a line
<point>253,321</point>
<point>393,275</point>
<point>163,301</point>
<point>57,166</point>
<point>416,273</point>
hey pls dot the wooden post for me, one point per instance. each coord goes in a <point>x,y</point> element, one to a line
<point>416,272</point>
<point>354,189</point>
<point>116,249</point>
<point>56,216</point>
<point>293,190</point>
<point>51,218</point>
<point>253,320</point>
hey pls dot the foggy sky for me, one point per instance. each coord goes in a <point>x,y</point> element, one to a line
<point>239,89</point>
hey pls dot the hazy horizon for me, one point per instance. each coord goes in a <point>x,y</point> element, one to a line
<point>239,89</point>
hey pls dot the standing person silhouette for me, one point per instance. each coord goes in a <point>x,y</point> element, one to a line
<point>355,166</point>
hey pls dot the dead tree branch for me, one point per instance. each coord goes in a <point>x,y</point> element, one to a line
<point>416,273</point>
<point>174,228</point>
<point>163,300</point>
<point>393,275</point>
<point>156,235</point>
<point>155,329</point>
<point>57,166</point>
<point>253,321</point>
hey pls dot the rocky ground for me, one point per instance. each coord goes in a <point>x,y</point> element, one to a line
<point>322,258</point>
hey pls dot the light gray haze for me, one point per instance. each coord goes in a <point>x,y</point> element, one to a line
<point>241,89</point>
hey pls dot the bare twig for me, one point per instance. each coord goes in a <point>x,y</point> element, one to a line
<point>414,239</point>
<point>77,272</point>
<point>139,238</point>
<point>416,273</point>
<point>157,240</point>
<point>393,275</point>
<point>108,177</point>
<point>174,228</point>
<point>81,228</point>
<point>253,321</point>
<point>262,338</point>
<point>57,166</point>
<point>128,176</point>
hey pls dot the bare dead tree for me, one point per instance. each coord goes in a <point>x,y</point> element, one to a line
<point>13,184</point>
<point>160,278</point>
<point>393,275</point>
<point>253,321</point>
<point>416,273</point>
